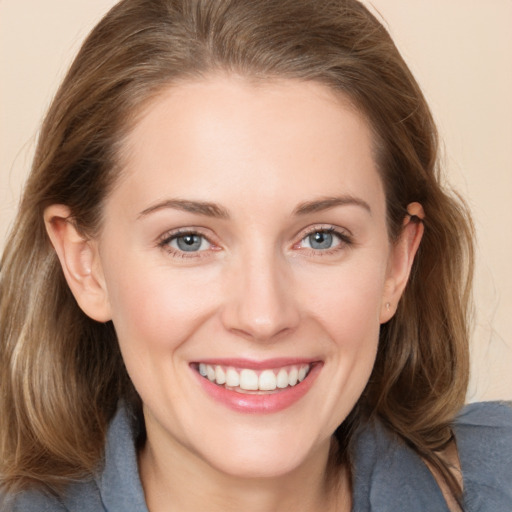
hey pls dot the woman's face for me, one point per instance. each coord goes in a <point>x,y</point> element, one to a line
<point>246,265</point>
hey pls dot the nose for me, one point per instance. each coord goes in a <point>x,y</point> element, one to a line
<point>260,303</point>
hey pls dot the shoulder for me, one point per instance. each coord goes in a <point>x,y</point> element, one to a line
<point>389,476</point>
<point>83,496</point>
<point>31,501</point>
<point>486,414</point>
<point>483,433</point>
<point>115,487</point>
<point>484,430</point>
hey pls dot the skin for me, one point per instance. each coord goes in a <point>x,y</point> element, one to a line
<point>256,289</point>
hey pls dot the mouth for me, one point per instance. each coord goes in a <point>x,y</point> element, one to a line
<point>257,387</point>
<point>253,381</point>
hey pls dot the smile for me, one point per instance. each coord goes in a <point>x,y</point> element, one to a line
<point>257,387</point>
<point>247,380</point>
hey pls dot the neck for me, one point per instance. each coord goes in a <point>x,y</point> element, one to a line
<point>173,481</point>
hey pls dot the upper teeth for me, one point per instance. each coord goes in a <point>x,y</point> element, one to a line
<point>250,380</point>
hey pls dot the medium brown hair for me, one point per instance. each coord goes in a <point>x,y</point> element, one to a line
<point>61,373</point>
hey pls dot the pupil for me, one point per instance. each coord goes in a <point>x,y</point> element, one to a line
<point>189,242</point>
<point>320,240</point>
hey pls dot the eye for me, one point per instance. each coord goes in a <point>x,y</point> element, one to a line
<point>321,240</point>
<point>190,242</point>
<point>324,240</point>
<point>180,243</point>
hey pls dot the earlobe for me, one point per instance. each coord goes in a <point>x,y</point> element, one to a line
<point>401,260</point>
<point>80,263</point>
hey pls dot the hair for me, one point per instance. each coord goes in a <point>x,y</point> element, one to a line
<point>61,373</point>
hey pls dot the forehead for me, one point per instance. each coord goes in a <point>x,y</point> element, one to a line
<point>226,132</point>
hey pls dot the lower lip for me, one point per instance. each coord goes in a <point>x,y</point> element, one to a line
<point>256,403</point>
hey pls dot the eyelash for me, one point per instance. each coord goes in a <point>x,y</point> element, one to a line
<point>345,240</point>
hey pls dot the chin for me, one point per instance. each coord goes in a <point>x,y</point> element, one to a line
<point>258,456</point>
<point>258,467</point>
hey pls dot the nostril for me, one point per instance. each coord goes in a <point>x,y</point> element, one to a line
<point>261,333</point>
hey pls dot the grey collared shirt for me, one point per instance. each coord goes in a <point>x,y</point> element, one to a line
<point>388,475</point>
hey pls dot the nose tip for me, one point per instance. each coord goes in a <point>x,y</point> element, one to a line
<point>261,329</point>
<point>262,306</point>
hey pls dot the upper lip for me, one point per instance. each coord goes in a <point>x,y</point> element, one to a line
<point>254,364</point>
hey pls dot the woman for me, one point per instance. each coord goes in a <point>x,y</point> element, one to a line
<point>235,281</point>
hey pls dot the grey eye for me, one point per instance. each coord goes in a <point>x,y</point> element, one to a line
<point>189,243</point>
<point>320,240</point>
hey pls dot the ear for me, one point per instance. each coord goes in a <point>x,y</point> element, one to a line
<point>401,260</point>
<point>80,262</point>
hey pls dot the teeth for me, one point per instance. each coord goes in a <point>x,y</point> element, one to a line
<point>292,376</point>
<point>267,381</point>
<point>249,380</point>
<point>282,379</point>
<point>210,372</point>
<point>220,375</point>
<point>232,378</point>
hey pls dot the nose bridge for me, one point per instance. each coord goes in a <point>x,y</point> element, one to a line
<point>261,305</point>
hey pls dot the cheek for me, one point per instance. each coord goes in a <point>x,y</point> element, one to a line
<point>158,308</point>
<point>345,310</point>
<point>349,302</point>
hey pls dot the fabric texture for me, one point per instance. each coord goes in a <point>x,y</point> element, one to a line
<point>388,476</point>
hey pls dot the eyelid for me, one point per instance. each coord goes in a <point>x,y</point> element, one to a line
<point>344,233</point>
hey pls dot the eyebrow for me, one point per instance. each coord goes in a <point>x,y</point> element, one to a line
<point>199,207</point>
<point>214,210</point>
<point>330,202</point>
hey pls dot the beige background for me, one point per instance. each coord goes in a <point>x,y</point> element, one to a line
<point>459,50</point>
